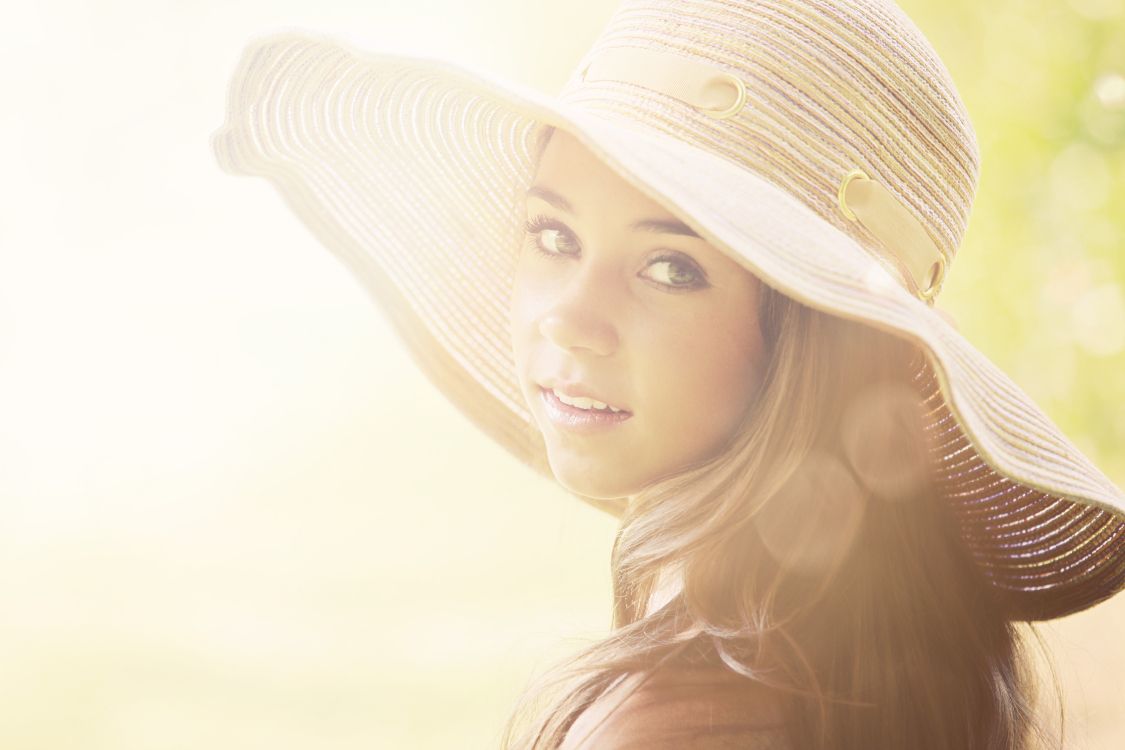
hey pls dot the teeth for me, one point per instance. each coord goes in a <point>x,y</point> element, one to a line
<point>584,403</point>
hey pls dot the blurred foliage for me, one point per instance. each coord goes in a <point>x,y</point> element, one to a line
<point>1039,282</point>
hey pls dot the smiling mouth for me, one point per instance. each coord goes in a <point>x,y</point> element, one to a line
<point>570,417</point>
<point>586,403</point>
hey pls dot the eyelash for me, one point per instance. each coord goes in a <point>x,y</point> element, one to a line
<point>538,223</point>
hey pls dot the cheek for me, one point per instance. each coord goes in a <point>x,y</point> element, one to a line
<point>524,310</point>
<point>707,379</point>
<point>518,322</point>
<point>531,287</point>
<point>519,304</point>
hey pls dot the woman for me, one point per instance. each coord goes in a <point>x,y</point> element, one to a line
<point>852,569</point>
<point>696,290</point>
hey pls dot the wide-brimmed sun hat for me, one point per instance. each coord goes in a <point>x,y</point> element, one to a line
<point>823,146</point>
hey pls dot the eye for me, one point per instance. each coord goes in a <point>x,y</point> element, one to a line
<point>672,270</point>
<point>548,235</point>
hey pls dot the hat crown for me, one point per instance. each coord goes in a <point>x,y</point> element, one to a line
<point>829,88</point>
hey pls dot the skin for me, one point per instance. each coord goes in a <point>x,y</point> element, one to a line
<point>675,342</point>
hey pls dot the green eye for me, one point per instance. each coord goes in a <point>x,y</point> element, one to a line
<point>548,234</point>
<point>674,272</point>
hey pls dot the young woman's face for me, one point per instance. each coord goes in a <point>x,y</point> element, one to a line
<point>616,299</point>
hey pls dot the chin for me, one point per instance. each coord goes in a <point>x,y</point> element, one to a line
<point>616,487</point>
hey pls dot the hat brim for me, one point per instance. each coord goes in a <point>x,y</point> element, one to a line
<point>381,155</point>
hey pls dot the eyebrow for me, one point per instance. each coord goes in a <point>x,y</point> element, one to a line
<point>665,226</point>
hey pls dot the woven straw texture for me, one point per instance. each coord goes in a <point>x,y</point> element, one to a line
<point>413,171</point>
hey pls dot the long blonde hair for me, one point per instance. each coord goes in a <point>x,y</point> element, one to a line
<point>887,635</point>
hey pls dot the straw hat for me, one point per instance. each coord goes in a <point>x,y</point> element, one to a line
<point>823,146</point>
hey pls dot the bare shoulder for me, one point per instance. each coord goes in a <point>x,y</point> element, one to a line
<point>705,708</point>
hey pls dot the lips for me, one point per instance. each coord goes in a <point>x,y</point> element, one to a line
<point>576,420</point>
<point>579,390</point>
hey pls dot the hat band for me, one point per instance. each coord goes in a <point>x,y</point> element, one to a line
<point>722,95</point>
<point>709,89</point>
<point>868,202</point>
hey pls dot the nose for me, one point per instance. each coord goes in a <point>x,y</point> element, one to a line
<point>579,317</point>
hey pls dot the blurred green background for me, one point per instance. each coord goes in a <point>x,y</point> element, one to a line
<point>231,512</point>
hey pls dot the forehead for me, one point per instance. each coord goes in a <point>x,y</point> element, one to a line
<point>596,193</point>
<point>575,172</point>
